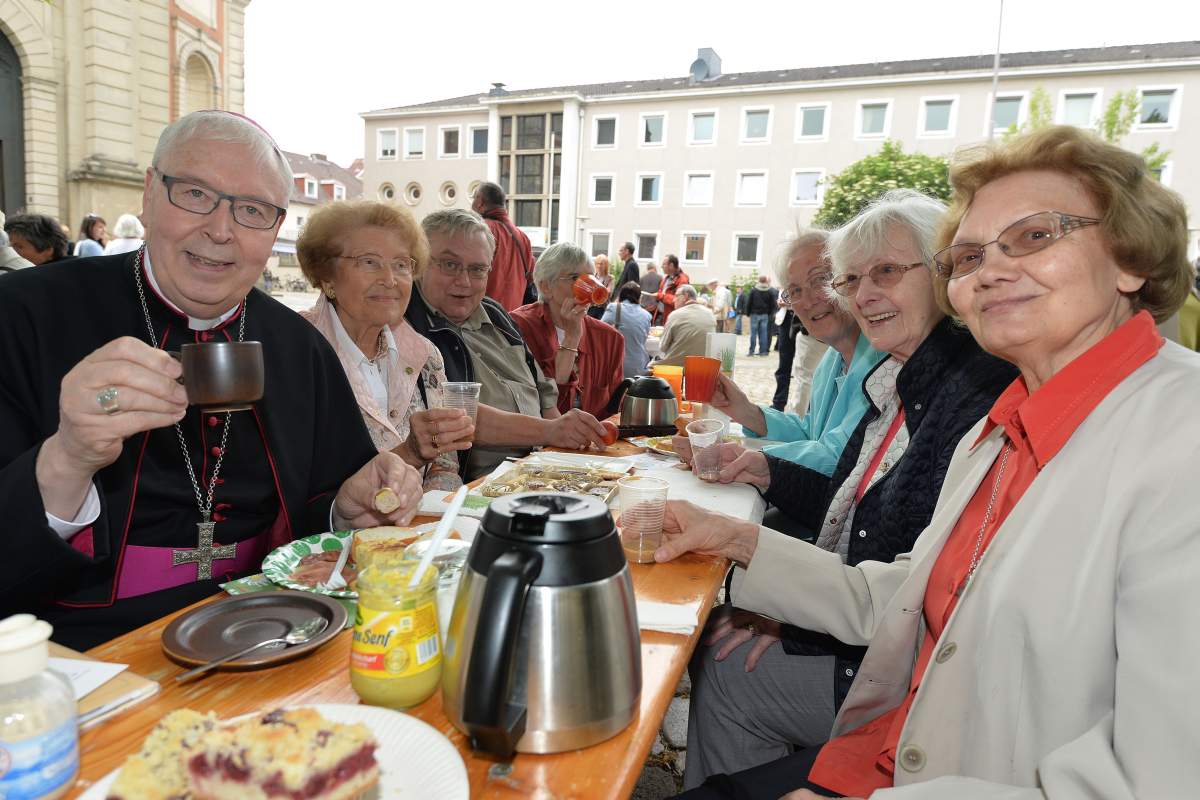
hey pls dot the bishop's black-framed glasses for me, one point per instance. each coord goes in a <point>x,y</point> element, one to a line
<point>200,199</point>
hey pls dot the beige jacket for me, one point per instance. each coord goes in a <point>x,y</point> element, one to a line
<point>685,333</point>
<point>1068,668</point>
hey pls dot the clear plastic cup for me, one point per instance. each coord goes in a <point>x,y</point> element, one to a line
<point>642,502</point>
<point>464,395</point>
<point>704,437</point>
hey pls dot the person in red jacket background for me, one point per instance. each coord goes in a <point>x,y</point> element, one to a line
<point>673,278</point>
<point>512,263</point>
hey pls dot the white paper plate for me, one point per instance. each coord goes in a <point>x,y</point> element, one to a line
<point>415,761</point>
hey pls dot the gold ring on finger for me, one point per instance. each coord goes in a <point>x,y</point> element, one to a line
<point>108,401</point>
<point>435,444</point>
<point>750,626</point>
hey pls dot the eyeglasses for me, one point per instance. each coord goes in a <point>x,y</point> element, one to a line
<point>452,269</point>
<point>373,264</point>
<point>884,276</point>
<point>200,199</point>
<point>815,285</point>
<point>1025,236</point>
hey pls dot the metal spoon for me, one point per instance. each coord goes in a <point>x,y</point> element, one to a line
<point>299,634</point>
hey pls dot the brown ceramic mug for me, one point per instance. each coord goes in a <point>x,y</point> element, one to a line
<point>222,376</point>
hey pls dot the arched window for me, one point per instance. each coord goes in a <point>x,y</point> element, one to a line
<point>199,85</point>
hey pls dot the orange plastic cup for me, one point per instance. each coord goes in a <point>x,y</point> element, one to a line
<point>673,376</point>
<point>701,373</point>
<point>589,290</point>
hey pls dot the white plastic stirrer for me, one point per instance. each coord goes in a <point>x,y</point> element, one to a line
<point>439,535</point>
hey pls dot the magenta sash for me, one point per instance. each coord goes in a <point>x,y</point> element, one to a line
<point>148,569</point>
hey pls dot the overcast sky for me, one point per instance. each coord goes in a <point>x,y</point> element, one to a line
<point>312,66</point>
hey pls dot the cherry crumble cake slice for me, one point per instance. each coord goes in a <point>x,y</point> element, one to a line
<point>156,772</point>
<point>284,755</point>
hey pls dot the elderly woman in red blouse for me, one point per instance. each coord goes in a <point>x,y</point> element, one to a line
<point>1039,639</point>
<point>582,355</point>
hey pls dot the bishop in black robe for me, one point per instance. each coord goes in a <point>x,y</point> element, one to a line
<point>284,461</point>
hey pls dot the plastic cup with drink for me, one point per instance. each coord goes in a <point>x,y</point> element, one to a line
<point>589,290</point>
<point>700,377</point>
<point>704,437</point>
<point>642,502</point>
<point>461,394</point>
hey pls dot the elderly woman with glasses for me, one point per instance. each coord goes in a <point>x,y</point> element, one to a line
<point>933,385</point>
<point>1018,651</point>
<point>363,256</point>
<point>581,354</point>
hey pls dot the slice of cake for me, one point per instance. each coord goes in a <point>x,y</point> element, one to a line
<point>284,754</point>
<point>157,771</point>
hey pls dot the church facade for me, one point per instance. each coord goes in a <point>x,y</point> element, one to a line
<point>86,87</point>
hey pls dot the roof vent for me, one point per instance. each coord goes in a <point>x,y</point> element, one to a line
<point>706,66</point>
<point>497,90</point>
<point>319,157</point>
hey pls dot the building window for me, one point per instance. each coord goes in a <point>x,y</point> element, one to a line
<point>478,141</point>
<point>695,248</point>
<point>1006,112</point>
<point>387,143</point>
<point>339,192</point>
<point>806,187</point>
<point>937,116</point>
<point>602,190</point>
<point>702,127</point>
<point>528,213</point>
<point>649,189</point>
<point>448,193</point>
<point>1077,108</point>
<point>555,172</point>
<point>1163,173</point>
<point>647,245</point>
<point>529,174</point>
<point>506,133</point>
<point>531,132</point>
<point>600,243</point>
<point>448,144</point>
<point>553,220</point>
<point>605,132</point>
<point>412,193</point>
<point>414,143</point>
<point>745,248</point>
<point>505,173</point>
<point>556,131</point>
<point>874,118</point>
<point>752,188</point>
<point>654,130</point>
<point>756,125</point>
<point>387,192</point>
<point>1157,107</point>
<point>299,222</point>
<point>812,122</point>
<point>310,187</point>
<point>698,189</point>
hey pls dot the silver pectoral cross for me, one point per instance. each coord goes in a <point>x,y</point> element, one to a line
<point>205,554</point>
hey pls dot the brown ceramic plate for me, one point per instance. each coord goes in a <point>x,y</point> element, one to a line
<point>237,622</point>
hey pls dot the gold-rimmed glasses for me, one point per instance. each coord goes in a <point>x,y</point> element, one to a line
<point>1025,236</point>
<point>884,276</point>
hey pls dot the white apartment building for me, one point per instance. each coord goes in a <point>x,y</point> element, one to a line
<point>719,168</point>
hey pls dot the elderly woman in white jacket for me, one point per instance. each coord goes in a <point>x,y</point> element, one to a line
<point>1040,639</point>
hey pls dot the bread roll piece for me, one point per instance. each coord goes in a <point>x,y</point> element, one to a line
<point>386,501</point>
<point>385,539</point>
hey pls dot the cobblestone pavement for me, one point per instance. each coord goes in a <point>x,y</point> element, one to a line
<point>662,776</point>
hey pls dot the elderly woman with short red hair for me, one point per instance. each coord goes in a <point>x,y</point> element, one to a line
<point>363,257</point>
<point>1023,648</point>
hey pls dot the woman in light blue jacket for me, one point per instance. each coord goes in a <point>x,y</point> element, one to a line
<point>633,321</point>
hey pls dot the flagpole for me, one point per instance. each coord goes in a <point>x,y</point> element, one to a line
<point>995,75</point>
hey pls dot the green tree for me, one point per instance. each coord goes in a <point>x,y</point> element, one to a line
<point>848,192</point>
<point>1041,113</point>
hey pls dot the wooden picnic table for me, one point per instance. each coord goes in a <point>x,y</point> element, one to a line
<point>605,770</point>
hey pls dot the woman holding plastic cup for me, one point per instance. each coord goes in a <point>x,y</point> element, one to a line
<point>816,439</point>
<point>363,257</point>
<point>935,383</point>
<point>581,354</point>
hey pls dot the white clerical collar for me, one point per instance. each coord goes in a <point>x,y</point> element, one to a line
<point>350,346</point>
<point>193,322</point>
